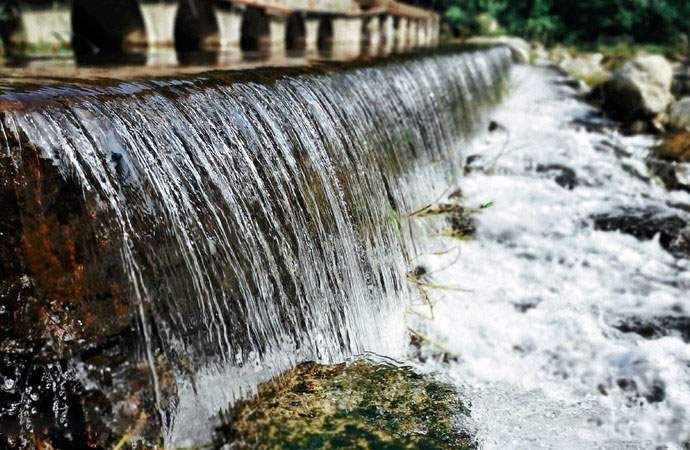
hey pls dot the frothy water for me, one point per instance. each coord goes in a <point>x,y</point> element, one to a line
<point>540,358</point>
<point>259,221</point>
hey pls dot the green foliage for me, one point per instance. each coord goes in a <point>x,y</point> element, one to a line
<point>575,21</point>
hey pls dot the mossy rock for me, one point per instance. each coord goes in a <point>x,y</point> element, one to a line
<point>675,147</point>
<point>358,405</point>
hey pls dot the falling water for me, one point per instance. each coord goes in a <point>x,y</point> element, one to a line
<point>259,218</point>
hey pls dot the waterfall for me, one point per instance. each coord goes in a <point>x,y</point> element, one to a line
<point>246,222</point>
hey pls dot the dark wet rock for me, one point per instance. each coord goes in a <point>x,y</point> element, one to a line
<point>681,245</point>
<point>564,176</point>
<point>656,327</point>
<point>365,404</point>
<point>595,121</point>
<point>670,161</point>
<point>644,224</point>
<point>69,330</point>
<point>681,80</point>
<point>472,163</point>
<point>673,175</point>
<point>496,126</point>
<point>636,393</point>
<point>641,89</point>
<point>526,305</point>
<point>423,350</point>
<point>654,393</point>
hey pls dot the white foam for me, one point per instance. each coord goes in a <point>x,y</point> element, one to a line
<point>536,379</point>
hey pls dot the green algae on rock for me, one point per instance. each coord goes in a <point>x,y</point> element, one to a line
<point>363,404</point>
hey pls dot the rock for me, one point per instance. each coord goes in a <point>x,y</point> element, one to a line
<point>586,67</point>
<point>681,80</point>
<point>519,48</point>
<point>486,24</point>
<point>679,115</point>
<point>675,147</point>
<point>644,224</point>
<point>670,161</point>
<point>673,175</point>
<point>681,246</point>
<point>365,404</point>
<point>559,55</point>
<point>565,176</point>
<point>64,312</point>
<point>656,327</point>
<point>539,55</point>
<point>640,89</point>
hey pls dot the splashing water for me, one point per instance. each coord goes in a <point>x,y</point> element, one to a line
<point>258,221</point>
<point>541,357</point>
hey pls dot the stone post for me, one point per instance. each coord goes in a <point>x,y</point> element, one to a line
<point>421,33</point>
<point>347,36</point>
<point>373,33</point>
<point>159,22</point>
<point>229,28</point>
<point>387,33</point>
<point>45,27</point>
<point>277,25</point>
<point>401,34</point>
<point>433,31</point>
<point>412,33</point>
<point>311,31</point>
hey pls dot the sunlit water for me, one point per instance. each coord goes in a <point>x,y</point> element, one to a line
<point>539,358</point>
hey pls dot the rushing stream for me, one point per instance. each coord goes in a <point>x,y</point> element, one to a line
<point>544,355</point>
<point>211,231</point>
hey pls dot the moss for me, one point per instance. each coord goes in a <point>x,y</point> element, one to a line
<point>364,405</point>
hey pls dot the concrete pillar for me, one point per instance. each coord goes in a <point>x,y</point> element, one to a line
<point>412,33</point>
<point>372,35</point>
<point>421,33</point>
<point>311,31</point>
<point>229,28</point>
<point>277,27</point>
<point>436,30</point>
<point>401,35</point>
<point>45,27</point>
<point>347,37</point>
<point>159,21</point>
<point>387,34</point>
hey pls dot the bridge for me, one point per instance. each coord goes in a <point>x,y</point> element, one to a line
<point>102,26</point>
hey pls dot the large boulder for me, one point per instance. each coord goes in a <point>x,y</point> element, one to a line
<point>519,48</point>
<point>587,67</point>
<point>679,114</point>
<point>640,89</point>
<point>487,24</point>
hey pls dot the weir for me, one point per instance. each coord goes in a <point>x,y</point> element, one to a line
<point>173,242</point>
